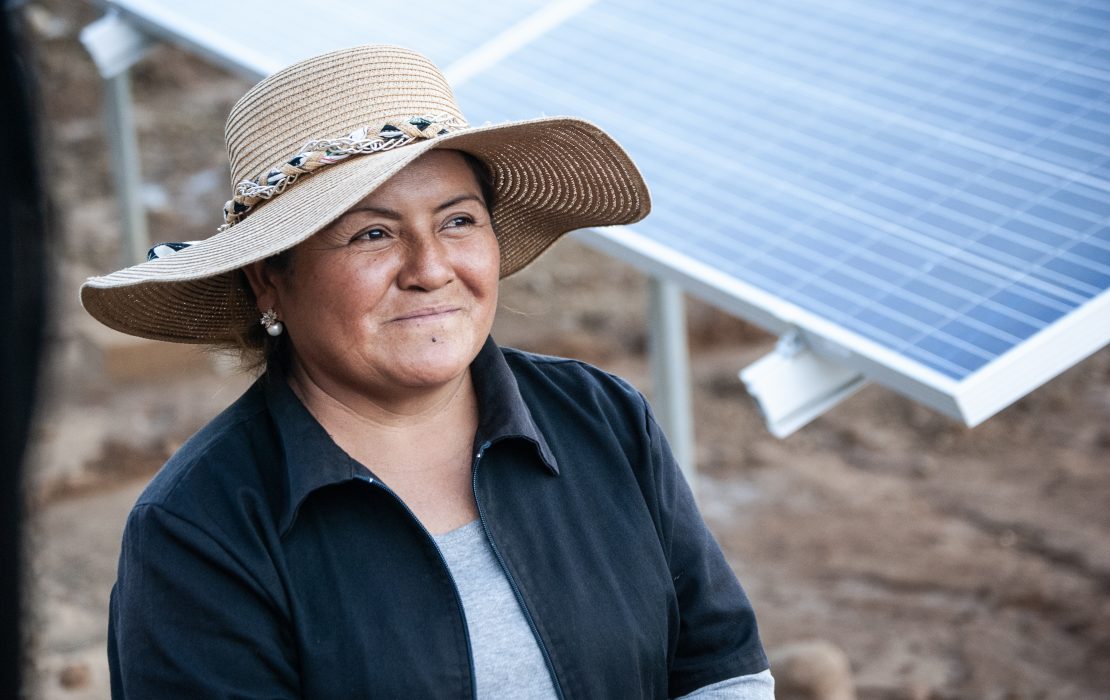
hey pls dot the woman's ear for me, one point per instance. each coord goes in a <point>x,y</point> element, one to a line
<point>266,282</point>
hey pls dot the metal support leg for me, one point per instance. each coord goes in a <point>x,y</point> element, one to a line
<point>670,367</point>
<point>115,46</point>
<point>125,157</point>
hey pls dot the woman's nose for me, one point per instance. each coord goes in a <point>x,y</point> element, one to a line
<point>427,265</point>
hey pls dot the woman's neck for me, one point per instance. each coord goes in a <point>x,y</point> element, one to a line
<point>421,448</point>
<point>392,427</point>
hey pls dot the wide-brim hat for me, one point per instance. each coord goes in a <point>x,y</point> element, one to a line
<point>312,140</point>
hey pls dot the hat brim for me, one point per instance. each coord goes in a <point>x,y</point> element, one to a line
<point>551,176</point>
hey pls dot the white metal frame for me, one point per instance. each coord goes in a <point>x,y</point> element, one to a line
<point>1054,349</point>
<point>157,19</point>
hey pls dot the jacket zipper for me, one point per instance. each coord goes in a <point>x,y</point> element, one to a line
<point>509,576</point>
<point>443,560</point>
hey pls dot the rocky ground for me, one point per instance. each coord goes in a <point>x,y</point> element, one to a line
<point>944,562</point>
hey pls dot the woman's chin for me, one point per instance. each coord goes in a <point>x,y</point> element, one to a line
<point>434,363</point>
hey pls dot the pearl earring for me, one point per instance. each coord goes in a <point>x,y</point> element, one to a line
<point>271,323</point>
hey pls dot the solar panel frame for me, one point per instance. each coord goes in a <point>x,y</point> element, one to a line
<point>255,41</point>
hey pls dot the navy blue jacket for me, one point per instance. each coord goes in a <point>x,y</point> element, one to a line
<point>264,562</point>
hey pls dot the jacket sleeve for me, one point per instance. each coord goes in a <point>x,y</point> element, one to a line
<point>717,636</point>
<point>189,620</point>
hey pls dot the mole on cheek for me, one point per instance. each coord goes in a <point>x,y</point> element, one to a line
<point>434,339</point>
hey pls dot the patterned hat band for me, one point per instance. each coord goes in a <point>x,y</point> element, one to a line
<point>322,152</point>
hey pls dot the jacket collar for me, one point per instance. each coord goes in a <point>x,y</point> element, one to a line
<point>313,460</point>
<point>502,412</point>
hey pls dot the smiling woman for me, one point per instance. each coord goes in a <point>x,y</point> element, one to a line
<point>399,507</point>
<point>388,307</point>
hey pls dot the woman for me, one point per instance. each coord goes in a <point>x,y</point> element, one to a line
<point>398,507</point>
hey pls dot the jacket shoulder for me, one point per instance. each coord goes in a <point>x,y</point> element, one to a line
<point>222,450</point>
<point>566,395</point>
<point>576,378</point>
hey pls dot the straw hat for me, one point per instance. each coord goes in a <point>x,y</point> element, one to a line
<point>312,140</point>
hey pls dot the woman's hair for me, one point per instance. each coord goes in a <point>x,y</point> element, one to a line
<point>256,349</point>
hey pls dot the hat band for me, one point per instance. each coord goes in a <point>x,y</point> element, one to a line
<point>322,152</point>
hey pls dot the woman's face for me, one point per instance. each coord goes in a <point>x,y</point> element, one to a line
<point>399,293</point>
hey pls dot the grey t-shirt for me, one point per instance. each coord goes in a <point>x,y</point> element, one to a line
<point>508,662</point>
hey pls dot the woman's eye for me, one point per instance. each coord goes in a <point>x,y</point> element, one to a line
<point>456,221</point>
<point>371,234</point>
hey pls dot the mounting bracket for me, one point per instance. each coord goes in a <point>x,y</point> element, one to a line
<point>793,385</point>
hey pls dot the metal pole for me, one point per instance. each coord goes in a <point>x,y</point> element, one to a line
<point>124,150</point>
<point>670,368</point>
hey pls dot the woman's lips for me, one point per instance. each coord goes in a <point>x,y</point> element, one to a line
<point>427,314</point>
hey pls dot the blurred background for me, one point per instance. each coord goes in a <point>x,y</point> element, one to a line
<point>886,547</point>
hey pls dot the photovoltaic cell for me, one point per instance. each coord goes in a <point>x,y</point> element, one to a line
<point>932,176</point>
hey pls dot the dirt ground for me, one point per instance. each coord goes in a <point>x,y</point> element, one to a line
<point>945,562</point>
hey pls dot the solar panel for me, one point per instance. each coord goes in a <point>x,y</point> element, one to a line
<point>921,189</point>
<point>931,177</point>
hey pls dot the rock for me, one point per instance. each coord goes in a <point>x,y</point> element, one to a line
<point>812,670</point>
<point>75,675</point>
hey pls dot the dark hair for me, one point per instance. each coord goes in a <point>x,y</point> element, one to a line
<point>484,176</point>
<point>258,350</point>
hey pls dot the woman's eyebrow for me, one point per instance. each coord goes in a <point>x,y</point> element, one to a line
<point>391,214</point>
<point>381,211</point>
<point>461,198</point>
